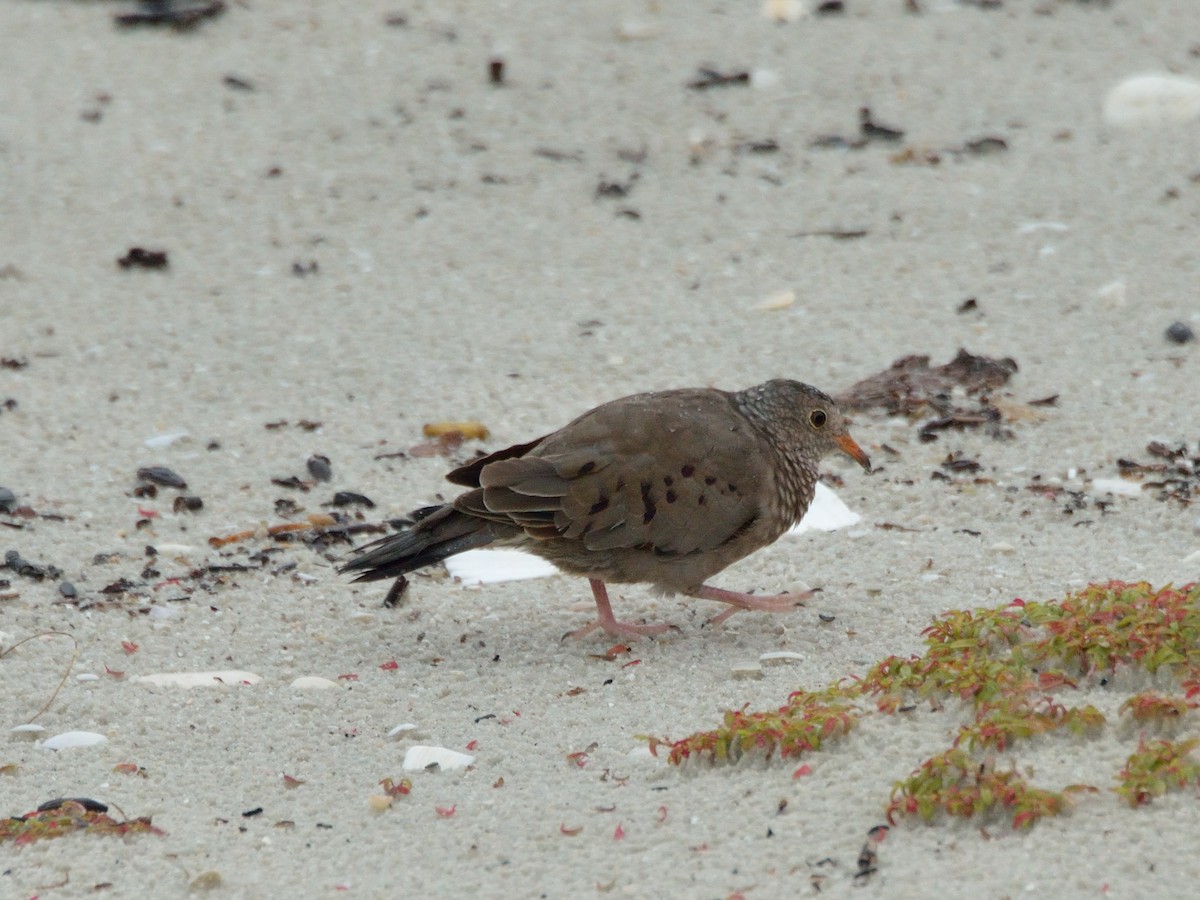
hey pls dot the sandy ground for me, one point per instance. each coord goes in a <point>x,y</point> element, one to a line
<point>366,234</point>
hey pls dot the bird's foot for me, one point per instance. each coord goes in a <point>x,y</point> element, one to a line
<point>608,622</point>
<point>738,601</point>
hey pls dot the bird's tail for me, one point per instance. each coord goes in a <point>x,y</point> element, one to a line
<point>440,534</point>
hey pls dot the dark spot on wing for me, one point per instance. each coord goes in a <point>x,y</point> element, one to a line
<point>688,471</point>
<point>672,496</point>
<point>647,504</point>
<point>587,468</point>
<point>599,506</point>
<point>668,480</point>
<point>710,480</point>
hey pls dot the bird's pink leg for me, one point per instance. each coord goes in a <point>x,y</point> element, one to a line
<point>608,621</point>
<point>738,601</point>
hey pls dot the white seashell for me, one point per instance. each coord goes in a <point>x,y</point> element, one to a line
<point>164,440</point>
<point>421,757</point>
<point>402,729</point>
<point>493,566</point>
<point>74,739</point>
<point>31,730</point>
<point>199,679</point>
<point>1149,100</point>
<point>87,676</point>
<point>827,513</point>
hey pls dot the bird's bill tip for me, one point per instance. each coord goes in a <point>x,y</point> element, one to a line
<point>855,452</point>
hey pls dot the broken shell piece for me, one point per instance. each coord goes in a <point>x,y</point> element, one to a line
<point>471,430</point>
<point>27,732</point>
<point>784,10</point>
<point>164,440</point>
<point>313,682</point>
<point>492,566</point>
<point>826,513</point>
<point>421,758</point>
<point>74,739</point>
<point>779,657</point>
<point>1118,487</point>
<point>402,730</point>
<point>777,301</point>
<point>379,802</point>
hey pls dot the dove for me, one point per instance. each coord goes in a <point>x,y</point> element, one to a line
<point>665,488</point>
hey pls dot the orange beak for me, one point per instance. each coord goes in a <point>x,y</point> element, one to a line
<point>855,452</point>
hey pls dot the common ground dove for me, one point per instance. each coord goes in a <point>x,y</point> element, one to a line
<point>666,488</point>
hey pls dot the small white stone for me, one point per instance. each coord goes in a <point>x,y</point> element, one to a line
<point>199,679</point>
<point>74,739</point>
<point>931,576</point>
<point>637,31</point>
<point>1112,295</point>
<point>421,757</point>
<point>1149,100</point>
<point>162,613</point>
<point>402,730</point>
<point>1003,547</point>
<point>313,682</point>
<point>87,676</point>
<point>27,732</point>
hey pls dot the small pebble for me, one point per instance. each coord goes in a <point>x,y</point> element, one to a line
<point>1180,333</point>
<point>67,590</point>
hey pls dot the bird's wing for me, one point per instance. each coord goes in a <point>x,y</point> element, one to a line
<point>676,472</point>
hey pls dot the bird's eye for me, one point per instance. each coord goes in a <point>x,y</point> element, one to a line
<point>817,418</point>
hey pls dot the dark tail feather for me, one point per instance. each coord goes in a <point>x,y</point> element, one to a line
<point>432,539</point>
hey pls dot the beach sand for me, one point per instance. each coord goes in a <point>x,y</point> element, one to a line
<point>365,235</point>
